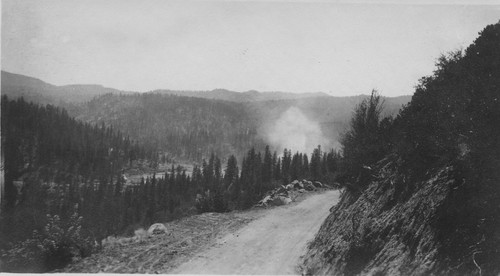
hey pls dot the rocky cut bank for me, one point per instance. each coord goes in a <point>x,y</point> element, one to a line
<point>431,204</point>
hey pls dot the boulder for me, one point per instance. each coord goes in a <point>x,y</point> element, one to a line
<point>289,187</point>
<point>285,193</point>
<point>287,200</point>
<point>281,189</point>
<point>276,201</point>
<point>309,187</point>
<point>317,184</point>
<point>298,185</point>
<point>281,200</point>
<point>265,200</point>
<point>157,229</point>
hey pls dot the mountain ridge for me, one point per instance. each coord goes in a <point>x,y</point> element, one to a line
<point>37,90</point>
<point>16,85</point>
<point>251,115</point>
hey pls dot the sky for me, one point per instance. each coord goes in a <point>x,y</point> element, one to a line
<point>334,47</point>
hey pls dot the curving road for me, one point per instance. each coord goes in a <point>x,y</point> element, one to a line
<point>271,244</point>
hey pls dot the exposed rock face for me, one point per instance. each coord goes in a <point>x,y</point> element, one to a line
<point>430,203</point>
<point>379,233</point>
<point>157,228</point>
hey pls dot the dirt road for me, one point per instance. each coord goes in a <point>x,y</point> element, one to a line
<point>271,244</point>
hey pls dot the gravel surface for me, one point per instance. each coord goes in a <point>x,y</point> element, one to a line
<point>271,244</point>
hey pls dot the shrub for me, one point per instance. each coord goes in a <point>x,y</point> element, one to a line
<point>366,140</point>
<point>203,202</point>
<point>211,202</point>
<point>55,246</point>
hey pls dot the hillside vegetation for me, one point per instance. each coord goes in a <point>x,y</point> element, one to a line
<point>422,191</point>
<point>192,128</point>
<point>65,189</point>
<point>56,170</point>
<point>249,96</point>
<point>190,125</point>
<point>185,127</point>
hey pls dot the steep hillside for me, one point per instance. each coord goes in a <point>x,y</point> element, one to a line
<point>14,86</point>
<point>191,128</point>
<point>430,206</point>
<point>191,124</point>
<point>185,127</point>
<point>56,166</point>
<point>38,91</point>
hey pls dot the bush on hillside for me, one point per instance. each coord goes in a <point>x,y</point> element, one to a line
<point>365,142</point>
<point>58,244</point>
<point>211,202</point>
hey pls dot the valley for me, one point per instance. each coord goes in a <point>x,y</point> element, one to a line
<point>250,138</point>
<point>190,125</point>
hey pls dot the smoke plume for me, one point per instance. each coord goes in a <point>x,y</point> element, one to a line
<point>293,130</point>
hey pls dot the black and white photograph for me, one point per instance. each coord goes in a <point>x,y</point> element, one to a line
<point>250,137</point>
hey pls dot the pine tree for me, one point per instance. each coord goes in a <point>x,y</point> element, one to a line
<point>231,173</point>
<point>305,166</point>
<point>286,161</point>
<point>267,166</point>
<point>217,171</point>
<point>315,166</point>
<point>277,170</point>
<point>362,144</point>
<point>296,166</point>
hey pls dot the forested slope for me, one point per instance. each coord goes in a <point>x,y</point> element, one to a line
<point>65,189</point>
<point>185,127</point>
<point>190,125</point>
<point>57,169</point>
<point>248,96</point>
<point>421,192</point>
<point>192,128</point>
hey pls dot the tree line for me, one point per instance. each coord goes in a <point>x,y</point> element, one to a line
<point>240,188</point>
<point>53,162</point>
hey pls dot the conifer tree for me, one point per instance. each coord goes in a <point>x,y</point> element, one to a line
<point>362,144</point>
<point>231,173</point>
<point>267,166</point>
<point>286,161</point>
<point>315,166</point>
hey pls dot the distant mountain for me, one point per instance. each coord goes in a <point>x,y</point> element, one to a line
<point>32,89</point>
<point>249,96</point>
<point>193,127</point>
<point>16,85</point>
<point>191,124</point>
<point>186,127</point>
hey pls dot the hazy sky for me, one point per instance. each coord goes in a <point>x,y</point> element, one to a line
<point>300,46</point>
